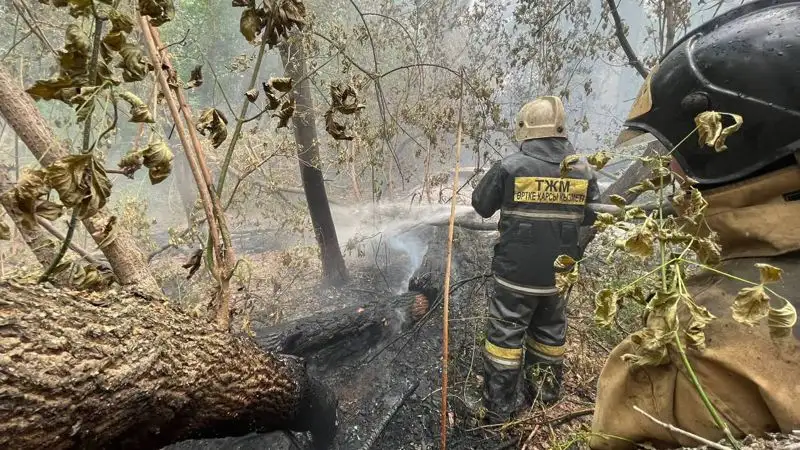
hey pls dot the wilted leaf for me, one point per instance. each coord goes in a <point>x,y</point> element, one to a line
<point>194,262</point>
<point>710,131</point>
<point>49,89</point>
<point>640,244</point>
<point>599,160</point>
<point>618,200</point>
<point>283,84</point>
<point>157,157</point>
<point>49,210</point>
<point>271,92</point>
<point>196,78</point>
<point>336,129</point>
<point>160,11</point>
<point>567,164</point>
<point>634,293</point>
<point>605,307</point>
<point>120,21</point>
<point>131,162</point>
<point>700,316</point>
<point>563,262</point>
<point>81,183</point>
<point>603,221</point>
<point>344,99</point>
<point>252,95</point>
<point>214,122</point>
<point>708,251</point>
<point>565,279</point>
<point>286,113</point>
<point>751,305</point>
<point>650,348</point>
<point>112,42</point>
<point>92,278</point>
<point>140,113</point>
<point>781,321</point>
<point>74,57</point>
<point>635,213</point>
<point>250,24</point>
<point>769,274</point>
<point>135,66</point>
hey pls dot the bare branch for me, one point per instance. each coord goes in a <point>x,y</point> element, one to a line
<point>675,429</point>
<point>623,40</point>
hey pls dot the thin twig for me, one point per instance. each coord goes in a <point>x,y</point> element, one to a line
<point>388,417</point>
<point>675,429</point>
<point>75,247</point>
<point>447,271</point>
<point>87,131</point>
<point>176,43</point>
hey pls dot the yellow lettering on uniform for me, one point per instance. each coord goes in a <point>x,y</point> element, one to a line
<point>564,191</point>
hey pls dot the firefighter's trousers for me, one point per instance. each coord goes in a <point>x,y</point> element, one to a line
<point>516,321</point>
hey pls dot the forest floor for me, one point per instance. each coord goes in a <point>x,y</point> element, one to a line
<point>370,388</point>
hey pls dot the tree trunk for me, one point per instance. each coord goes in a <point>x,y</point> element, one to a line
<point>305,133</point>
<point>125,258</point>
<point>129,371</point>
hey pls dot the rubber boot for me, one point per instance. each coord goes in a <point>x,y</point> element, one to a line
<point>543,379</point>
<point>499,392</point>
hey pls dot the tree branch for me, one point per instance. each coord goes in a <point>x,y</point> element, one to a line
<point>623,40</point>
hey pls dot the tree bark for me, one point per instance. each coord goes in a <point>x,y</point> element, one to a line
<point>305,133</point>
<point>125,258</point>
<point>129,371</point>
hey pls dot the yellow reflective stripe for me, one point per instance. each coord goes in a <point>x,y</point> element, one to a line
<point>508,354</point>
<point>544,349</point>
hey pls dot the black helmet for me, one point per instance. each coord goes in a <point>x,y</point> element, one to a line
<point>746,62</point>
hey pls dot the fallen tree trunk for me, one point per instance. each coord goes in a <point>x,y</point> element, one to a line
<point>129,371</point>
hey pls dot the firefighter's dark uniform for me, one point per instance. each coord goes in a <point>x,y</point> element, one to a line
<point>540,217</point>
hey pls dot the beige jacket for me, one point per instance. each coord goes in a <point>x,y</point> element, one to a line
<point>752,380</point>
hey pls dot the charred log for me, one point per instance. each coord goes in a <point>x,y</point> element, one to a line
<point>333,338</point>
<point>128,371</point>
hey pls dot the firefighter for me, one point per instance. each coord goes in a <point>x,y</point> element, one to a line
<point>745,62</point>
<point>540,216</point>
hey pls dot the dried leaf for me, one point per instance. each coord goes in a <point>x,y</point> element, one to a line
<point>751,305</point>
<point>769,274</point>
<point>640,244</point>
<point>565,279</point>
<point>567,164</point>
<point>250,24</point>
<point>650,348</point>
<point>605,307</point>
<point>563,262</point>
<point>81,183</point>
<point>193,264</point>
<point>49,210</point>
<point>214,122</point>
<point>160,11</point>
<point>252,95</point>
<point>283,84</point>
<point>603,221</point>
<point>135,66</point>
<point>140,113</point>
<point>708,251</point>
<point>113,42</point>
<point>29,189</point>
<point>131,162</point>
<point>120,21</point>
<point>196,78</point>
<point>286,113</point>
<point>49,89</point>
<point>599,160</point>
<point>711,132</point>
<point>272,97</point>
<point>618,200</point>
<point>73,59</point>
<point>781,321</point>
<point>700,316</point>
<point>157,157</point>
<point>344,99</point>
<point>336,129</point>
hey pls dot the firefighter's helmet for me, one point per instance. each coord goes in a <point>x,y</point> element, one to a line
<point>541,118</point>
<point>746,62</point>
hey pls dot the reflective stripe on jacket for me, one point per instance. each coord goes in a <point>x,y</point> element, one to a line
<point>540,212</point>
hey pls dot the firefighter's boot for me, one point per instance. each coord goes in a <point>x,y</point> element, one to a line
<point>543,379</point>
